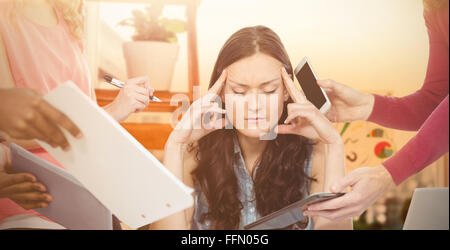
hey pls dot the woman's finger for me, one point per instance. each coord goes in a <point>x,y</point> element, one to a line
<point>286,129</point>
<point>210,114</point>
<point>59,118</point>
<point>215,125</point>
<point>312,115</point>
<point>151,91</point>
<point>331,86</point>
<point>343,202</point>
<point>217,87</point>
<point>139,90</point>
<point>31,196</point>
<point>332,215</point>
<point>52,118</point>
<point>45,129</point>
<point>336,214</point>
<point>143,80</point>
<point>139,106</point>
<point>220,123</point>
<point>23,187</point>
<point>295,109</point>
<point>32,205</point>
<point>142,98</point>
<point>295,93</point>
<point>36,133</point>
<point>11,179</point>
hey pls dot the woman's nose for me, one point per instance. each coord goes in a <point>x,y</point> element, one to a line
<point>255,102</point>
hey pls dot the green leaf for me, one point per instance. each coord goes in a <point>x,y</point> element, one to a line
<point>150,27</point>
<point>173,25</point>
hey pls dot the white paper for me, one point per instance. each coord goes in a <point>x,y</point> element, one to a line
<point>113,166</point>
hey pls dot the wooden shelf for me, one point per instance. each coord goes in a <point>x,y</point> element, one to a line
<point>106,96</point>
<point>151,136</point>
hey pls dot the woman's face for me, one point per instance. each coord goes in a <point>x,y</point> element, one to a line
<point>254,94</point>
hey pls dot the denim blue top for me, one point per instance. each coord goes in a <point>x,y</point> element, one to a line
<point>249,213</point>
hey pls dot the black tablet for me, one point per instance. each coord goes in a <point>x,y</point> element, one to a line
<point>290,214</point>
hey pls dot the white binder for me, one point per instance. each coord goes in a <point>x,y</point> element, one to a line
<point>113,166</point>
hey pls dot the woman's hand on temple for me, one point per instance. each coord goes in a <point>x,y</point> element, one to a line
<point>133,97</point>
<point>305,119</point>
<point>193,126</point>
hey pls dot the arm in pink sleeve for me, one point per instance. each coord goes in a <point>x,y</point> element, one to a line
<point>409,112</point>
<point>430,143</point>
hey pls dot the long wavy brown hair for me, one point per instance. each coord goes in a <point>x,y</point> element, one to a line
<point>280,179</point>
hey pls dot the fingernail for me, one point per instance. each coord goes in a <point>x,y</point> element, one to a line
<point>333,189</point>
<point>44,205</point>
<point>79,136</point>
<point>40,188</point>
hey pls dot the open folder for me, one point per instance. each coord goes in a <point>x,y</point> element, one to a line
<point>73,206</point>
<point>113,166</point>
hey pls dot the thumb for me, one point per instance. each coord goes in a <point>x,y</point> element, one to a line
<point>342,184</point>
<point>151,91</point>
<point>331,86</point>
<point>325,83</point>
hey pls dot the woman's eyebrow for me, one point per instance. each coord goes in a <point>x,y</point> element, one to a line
<point>264,83</point>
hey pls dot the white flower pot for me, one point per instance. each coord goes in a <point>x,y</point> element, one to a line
<point>153,59</point>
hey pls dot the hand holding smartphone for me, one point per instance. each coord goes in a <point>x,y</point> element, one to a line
<point>308,82</point>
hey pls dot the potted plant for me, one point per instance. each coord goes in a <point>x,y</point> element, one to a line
<point>154,49</point>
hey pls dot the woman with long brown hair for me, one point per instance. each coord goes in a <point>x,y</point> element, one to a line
<point>239,174</point>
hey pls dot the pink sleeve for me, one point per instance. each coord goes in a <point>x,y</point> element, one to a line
<point>409,112</point>
<point>430,143</point>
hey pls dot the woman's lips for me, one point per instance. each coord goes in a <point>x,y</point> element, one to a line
<point>254,120</point>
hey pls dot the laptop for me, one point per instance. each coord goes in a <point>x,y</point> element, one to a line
<point>428,210</point>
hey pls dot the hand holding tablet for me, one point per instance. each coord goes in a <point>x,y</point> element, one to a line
<point>290,214</point>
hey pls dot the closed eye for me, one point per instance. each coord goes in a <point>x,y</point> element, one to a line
<point>270,91</point>
<point>238,92</point>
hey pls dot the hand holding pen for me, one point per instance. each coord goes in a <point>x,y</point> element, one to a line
<point>134,96</point>
<point>120,84</point>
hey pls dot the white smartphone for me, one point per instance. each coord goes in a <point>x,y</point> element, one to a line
<point>308,82</point>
